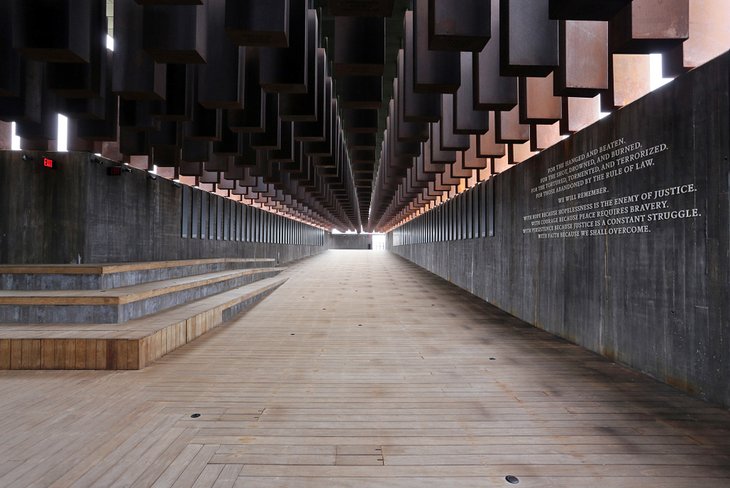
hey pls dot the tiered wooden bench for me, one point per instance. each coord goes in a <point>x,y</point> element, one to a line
<point>165,314</point>
<point>114,275</point>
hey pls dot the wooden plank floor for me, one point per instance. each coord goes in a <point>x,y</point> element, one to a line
<point>361,370</point>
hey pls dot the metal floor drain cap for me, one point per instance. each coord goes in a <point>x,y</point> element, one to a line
<point>195,416</point>
<point>512,479</point>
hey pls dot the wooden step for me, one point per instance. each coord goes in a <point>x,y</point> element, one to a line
<point>114,275</point>
<point>132,345</point>
<point>119,305</point>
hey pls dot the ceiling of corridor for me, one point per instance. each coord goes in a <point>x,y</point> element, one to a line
<point>346,114</point>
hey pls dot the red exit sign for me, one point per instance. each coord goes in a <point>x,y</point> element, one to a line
<point>49,163</point>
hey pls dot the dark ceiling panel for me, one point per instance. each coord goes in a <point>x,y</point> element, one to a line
<point>257,23</point>
<point>458,25</point>
<point>361,8</point>
<point>241,93</point>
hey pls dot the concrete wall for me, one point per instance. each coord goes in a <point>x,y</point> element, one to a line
<point>77,212</point>
<point>351,241</point>
<point>652,294</point>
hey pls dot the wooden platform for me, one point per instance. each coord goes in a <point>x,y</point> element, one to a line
<point>361,371</point>
<point>131,345</point>
<point>111,268</point>
<point>114,275</point>
<point>120,296</point>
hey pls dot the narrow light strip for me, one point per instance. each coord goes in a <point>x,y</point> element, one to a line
<point>14,140</point>
<point>62,137</point>
<point>656,78</point>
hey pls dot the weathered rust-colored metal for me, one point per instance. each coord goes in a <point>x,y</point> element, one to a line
<point>38,123</point>
<point>137,115</point>
<point>360,120</point>
<point>492,91</point>
<point>303,107</point>
<point>405,130</point>
<point>509,128</point>
<point>6,135</point>
<point>458,25</point>
<point>10,71</point>
<point>646,26</point>
<point>222,87</point>
<point>317,130</point>
<point>105,129</point>
<point>133,142</point>
<point>359,46</point>
<point>417,107</point>
<point>467,119</point>
<point>180,94</point>
<point>222,56</point>
<point>191,168</point>
<point>438,154</point>
<point>164,144</point>
<point>447,177</point>
<point>433,71</point>
<point>217,162</point>
<point>487,145</point>
<point>579,113</point>
<point>256,23</point>
<point>284,69</point>
<point>75,80</point>
<point>529,38</point>
<point>471,158</point>
<point>582,10</point>
<point>361,8</point>
<point>709,37</point>
<point>361,141</point>
<point>209,177</point>
<point>285,152</point>
<point>631,80</point>
<point>58,32</point>
<point>196,151</point>
<point>542,136</point>
<point>73,141</point>
<point>135,73</point>
<point>205,124</point>
<point>519,152</point>
<point>170,2</point>
<point>583,69</point>
<point>538,105</point>
<point>175,33</point>
<point>459,169</point>
<point>449,139</point>
<point>270,138</point>
<point>364,92</point>
<point>27,105</point>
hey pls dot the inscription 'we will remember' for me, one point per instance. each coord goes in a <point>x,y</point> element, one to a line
<point>586,212</point>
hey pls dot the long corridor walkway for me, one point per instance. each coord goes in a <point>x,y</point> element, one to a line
<point>362,370</point>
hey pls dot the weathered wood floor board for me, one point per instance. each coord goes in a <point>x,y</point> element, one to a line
<point>361,371</point>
